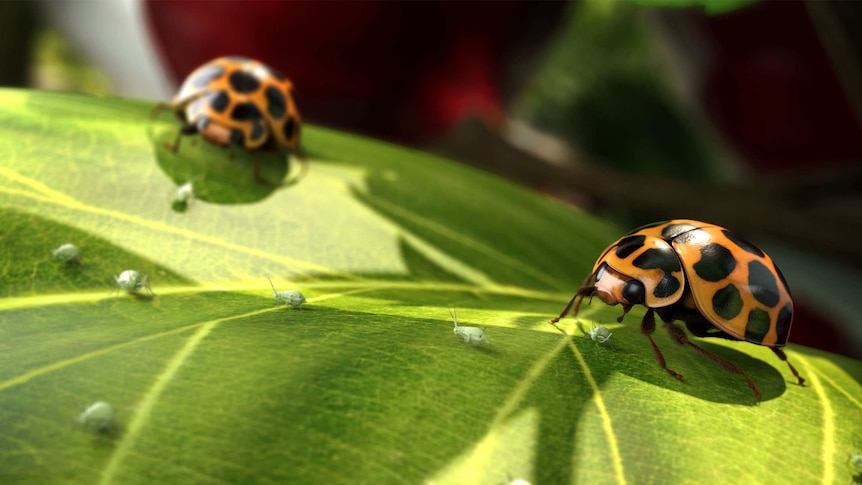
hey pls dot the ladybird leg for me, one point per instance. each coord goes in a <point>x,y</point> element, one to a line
<point>185,130</point>
<point>157,110</point>
<point>626,309</point>
<point>257,176</point>
<point>647,329</point>
<point>781,355</point>
<point>154,114</point>
<point>678,335</point>
<point>579,296</point>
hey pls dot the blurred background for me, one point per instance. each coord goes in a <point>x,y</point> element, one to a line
<point>743,113</point>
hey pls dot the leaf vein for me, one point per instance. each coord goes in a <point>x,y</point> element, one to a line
<point>607,424</point>
<point>827,449</point>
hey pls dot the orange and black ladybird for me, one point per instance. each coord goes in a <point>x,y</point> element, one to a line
<point>238,101</point>
<point>717,283</point>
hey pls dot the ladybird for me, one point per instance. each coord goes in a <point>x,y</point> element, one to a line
<point>237,101</point>
<point>703,275</point>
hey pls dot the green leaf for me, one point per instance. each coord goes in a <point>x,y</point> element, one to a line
<point>212,383</point>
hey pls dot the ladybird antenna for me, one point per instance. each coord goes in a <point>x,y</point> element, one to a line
<point>274,293</point>
<point>454,315</point>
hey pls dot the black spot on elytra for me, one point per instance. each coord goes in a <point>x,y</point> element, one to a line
<point>237,137</point>
<point>666,260</point>
<point>243,82</point>
<point>258,131</point>
<point>782,325</point>
<point>716,262</point>
<point>276,105</point>
<point>666,287</point>
<point>245,112</point>
<point>743,244</point>
<point>762,284</point>
<point>218,101</point>
<point>628,245</point>
<point>694,236</point>
<point>289,129</point>
<point>207,75</point>
<point>674,230</point>
<point>727,302</point>
<point>757,326</point>
<point>781,278</point>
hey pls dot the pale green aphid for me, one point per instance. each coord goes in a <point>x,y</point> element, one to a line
<point>66,253</point>
<point>598,333</point>
<point>291,298</point>
<point>515,481</point>
<point>132,281</point>
<point>470,335</point>
<point>183,196</point>
<point>98,416</point>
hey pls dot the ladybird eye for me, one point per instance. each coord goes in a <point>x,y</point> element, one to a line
<point>633,292</point>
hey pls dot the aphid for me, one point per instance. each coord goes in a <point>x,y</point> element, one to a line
<point>67,253</point>
<point>238,101</point>
<point>183,196</point>
<point>98,417</point>
<point>856,461</point>
<point>291,298</point>
<point>515,481</point>
<point>717,283</point>
<point>470,335</point>
<point>132,281</point>
<point>599,333</point>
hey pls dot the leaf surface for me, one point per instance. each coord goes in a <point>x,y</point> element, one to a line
<point>212,383</point>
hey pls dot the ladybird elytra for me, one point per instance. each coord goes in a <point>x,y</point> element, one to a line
<point>704,275</point>
<point>237,101</point>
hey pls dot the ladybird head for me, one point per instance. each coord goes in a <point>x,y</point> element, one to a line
<point>613,287</point>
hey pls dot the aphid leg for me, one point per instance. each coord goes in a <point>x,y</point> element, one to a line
<point>678,335</point>
<point>647,328</point>
<point>781,355</point>
<point>579,296</point>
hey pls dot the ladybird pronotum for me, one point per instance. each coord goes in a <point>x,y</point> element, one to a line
<point>717,283</point>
